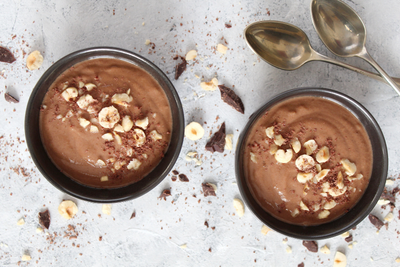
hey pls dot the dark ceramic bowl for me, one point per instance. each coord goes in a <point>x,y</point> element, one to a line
<point>69,186</point>
<point>368,199</point>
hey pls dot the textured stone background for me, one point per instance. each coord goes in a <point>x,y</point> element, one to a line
<point>154,237</point>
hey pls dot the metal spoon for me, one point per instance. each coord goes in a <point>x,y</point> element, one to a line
<point>343,32</point>
<point>287,47</point>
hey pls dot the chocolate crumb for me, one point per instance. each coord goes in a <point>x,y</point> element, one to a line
<point>217,142</point>
<point>349,238</point>
<point>133,215</point>
<point>166,193</point>
<point>208,190</point>
<point>228,25</point>
<point>100,238</point>
<point>354,228</point>
<point>173,178</point>
<point>395,190</point>
<point>175,172</point>
<point>301,265</point>
<point>206,223</point>
<point>375,221</point>
<point>183,178</point>
<point>6,55</point>
<point>9,98</point>
<point>180,68</point>
<point>229,97</point>
<point>44,219</point>
<point>209,249</point>
<point>311,245</point>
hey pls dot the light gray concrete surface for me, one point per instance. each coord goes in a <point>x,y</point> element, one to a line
<point>154,236</point>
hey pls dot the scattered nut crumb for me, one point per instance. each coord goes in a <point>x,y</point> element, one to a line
<point>239,207</point>
<point>67,209</point>
<point>106,209</point>
<point>222,49</point>
<point>192,54</point>
<point>26,257</point>
<point>34,60</point>
<point>21,222</point>
<point>265,230</point>
<point>325,250</point>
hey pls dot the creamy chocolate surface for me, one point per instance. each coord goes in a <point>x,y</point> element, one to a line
<point>105,123</point>
<point>307,189</point>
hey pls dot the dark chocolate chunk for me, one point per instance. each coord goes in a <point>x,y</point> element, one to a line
<point>375,221</point>
<point>228,25</point>
<point>217,142</point>
<point>180,68</point>
<point>229,97</point>
<point>173,178</point>
<point>166,193</point>
<point>311,245</point>
<point>44,219</point>
<point>10,98</point>
<point>175,172</point>
<point>133,215</point>
<point>349,238</point>
<point>208,190</point>
<point>206,223</point>
<point>6,55</point>
<point>301,264</point>
<point>183,178</point>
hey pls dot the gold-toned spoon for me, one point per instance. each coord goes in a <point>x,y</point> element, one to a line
<point>287,47</point>
<point>343,32</point>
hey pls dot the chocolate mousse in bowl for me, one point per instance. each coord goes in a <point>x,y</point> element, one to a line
<point>110,125</point>
<point>311,163</point>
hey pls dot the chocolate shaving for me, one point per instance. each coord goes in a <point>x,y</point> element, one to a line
<point>173,178</point>
<point>175,172</point>
<point>208,190</point>
<point>311,245</point>
<point>217,142</point>
<point>349,238</point>
<point>44,219</point>
<point>166,193</point>
<point>228,25</point>
<point>10,98</point>
<point>133,215</point>
<point>375,221</point>
<point>180,68</point>
<point>206,223</point>
<point>183,178</point>
<point>6,55</point>
<point>229,97</point>
<point>301,264</point>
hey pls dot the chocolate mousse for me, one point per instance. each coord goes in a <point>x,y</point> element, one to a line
<point>105,123</point>
<point>308,160</point>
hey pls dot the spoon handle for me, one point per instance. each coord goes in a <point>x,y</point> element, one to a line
<point>372,75</point>
<point>364,55</point>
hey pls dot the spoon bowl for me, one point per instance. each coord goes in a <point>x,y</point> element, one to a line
<point>339,27</point>
<point>280,44</point>
<point>343,32</point>
<point>287,47</point>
